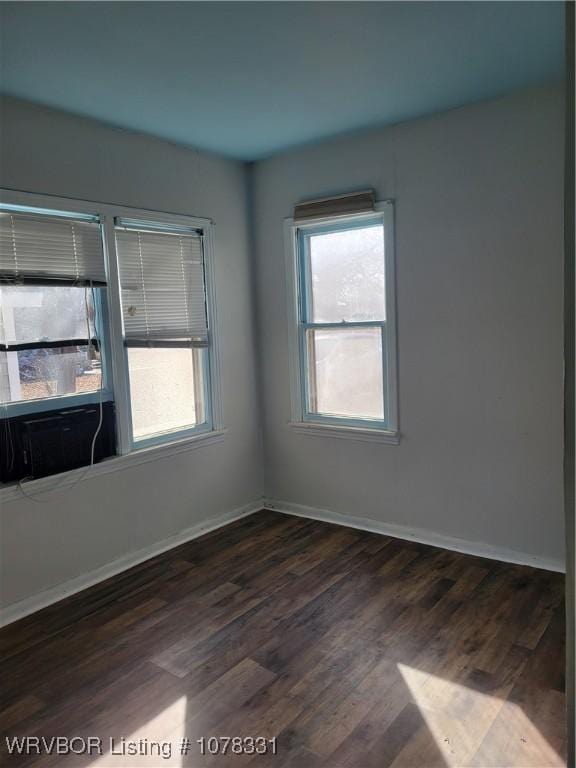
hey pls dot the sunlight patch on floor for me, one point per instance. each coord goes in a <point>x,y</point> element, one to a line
<point>460,718</point>
<point>150,742</point>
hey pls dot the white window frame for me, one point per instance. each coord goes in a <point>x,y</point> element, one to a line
<point>341,427</point>
<point>117,365</point>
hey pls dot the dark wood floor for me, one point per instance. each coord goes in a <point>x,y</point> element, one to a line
<point>352,649</point>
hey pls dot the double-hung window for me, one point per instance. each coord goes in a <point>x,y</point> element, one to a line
<point>341,277</point>
<point>165,328</point>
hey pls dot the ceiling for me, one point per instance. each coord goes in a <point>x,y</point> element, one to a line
<point>249,79</point>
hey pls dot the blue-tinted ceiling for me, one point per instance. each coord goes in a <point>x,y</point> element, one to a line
<point>248,79</point>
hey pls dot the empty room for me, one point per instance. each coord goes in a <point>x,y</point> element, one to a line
<point>287,384</point>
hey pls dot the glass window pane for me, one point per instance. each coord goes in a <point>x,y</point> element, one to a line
<point>345,372</point>
<point>30,314</point>
<point>45,313</point>
<point>347,275</point>
<point>42,373</point>
<point>165,389</point>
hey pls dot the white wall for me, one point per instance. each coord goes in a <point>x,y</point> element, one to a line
<point>478,195</point>
<point>105,518</point>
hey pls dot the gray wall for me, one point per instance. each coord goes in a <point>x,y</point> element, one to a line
<point>478,195</point>
<point>105,518</point>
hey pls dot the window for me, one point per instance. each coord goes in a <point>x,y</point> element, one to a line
<point>52,284</point>
<point>52,338</point>
<point>344,345</point>
<point>106,304</point>
<point>165,327</point>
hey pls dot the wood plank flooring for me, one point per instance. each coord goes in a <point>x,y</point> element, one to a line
<point>351,649</point>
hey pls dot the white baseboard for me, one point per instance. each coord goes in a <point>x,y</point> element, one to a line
<point>416,534</point>
<point>43,599</point>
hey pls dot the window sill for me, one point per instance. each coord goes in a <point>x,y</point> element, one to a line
<point>348,433</point>
<point>12,492</point>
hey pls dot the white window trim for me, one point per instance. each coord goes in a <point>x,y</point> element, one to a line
<point>119,369</point>
<point>316,429</point>
<point>390,434</point>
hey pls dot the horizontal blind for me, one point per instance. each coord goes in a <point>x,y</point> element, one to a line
<point>162,281</point>
<point>37,248</point>
<point>341,205</point>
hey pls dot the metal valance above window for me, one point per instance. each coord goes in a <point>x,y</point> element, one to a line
<point>42,249</point>
<point>340,205</point>
<point>162,281</point>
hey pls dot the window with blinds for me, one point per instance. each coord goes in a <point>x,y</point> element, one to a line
<point>38,248</point>
<point>52,274</point>
<point>162,279</point>
<point>343,332</point>
<point>165,325</point>
<point>104,288</point>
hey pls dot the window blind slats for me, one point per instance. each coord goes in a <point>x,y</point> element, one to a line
<point>38,248</point>
<point>162,281</point>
